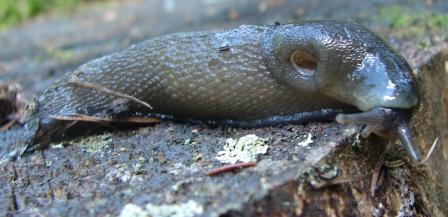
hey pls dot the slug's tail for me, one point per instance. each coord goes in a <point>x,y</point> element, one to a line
<point>385,122</point>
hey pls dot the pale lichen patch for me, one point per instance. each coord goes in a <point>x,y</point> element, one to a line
<point>94,144</point>
<point>188,209</point>
<point>120,173</point>
<point>132,210</point>
<point>308,141</point>
<point>245,149</point>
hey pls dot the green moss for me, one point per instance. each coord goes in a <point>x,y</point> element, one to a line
<point>438,21</point>
<point>415,24</point>
<point>61,53</point>
<point>399,17</point>
<point>9,13</point>
<point>396,16</point>
<point>13,12</point>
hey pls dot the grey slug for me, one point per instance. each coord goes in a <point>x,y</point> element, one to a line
<point>249,76</point>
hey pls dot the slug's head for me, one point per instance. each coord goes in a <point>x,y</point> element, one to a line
<point>350,64</point>
<point>376,79</point>
<point>383,87</point>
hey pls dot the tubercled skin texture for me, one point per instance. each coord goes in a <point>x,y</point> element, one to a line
<point>251,83</point>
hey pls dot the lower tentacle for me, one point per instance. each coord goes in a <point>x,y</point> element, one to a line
<point>389,123</point>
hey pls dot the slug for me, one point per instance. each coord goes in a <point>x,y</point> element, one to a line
<point>250,76</point>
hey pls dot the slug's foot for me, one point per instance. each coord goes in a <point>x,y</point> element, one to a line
<point>387,123</point>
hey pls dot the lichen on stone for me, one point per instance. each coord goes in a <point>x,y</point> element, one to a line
<point>188,209</point>
<point>244,149</point>
<point>95,144</point>
<point>132,210</point>
<point>119,173</point>
<point>308,141</point>
<point>92,144</point>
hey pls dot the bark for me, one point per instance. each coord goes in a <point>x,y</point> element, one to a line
<point>315,169</point>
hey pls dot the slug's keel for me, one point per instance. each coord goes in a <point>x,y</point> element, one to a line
<point>385,122</point>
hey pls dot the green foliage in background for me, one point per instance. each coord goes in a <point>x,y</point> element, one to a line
<point>399,17</point>
<point>16,11</point>
<point>408,23</point>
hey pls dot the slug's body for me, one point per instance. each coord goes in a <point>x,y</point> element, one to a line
<point>244,77</point>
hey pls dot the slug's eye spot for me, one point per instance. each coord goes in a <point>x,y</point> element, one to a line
<point>303,62</point>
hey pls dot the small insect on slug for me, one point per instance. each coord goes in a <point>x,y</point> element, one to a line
<point>265,75</point>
